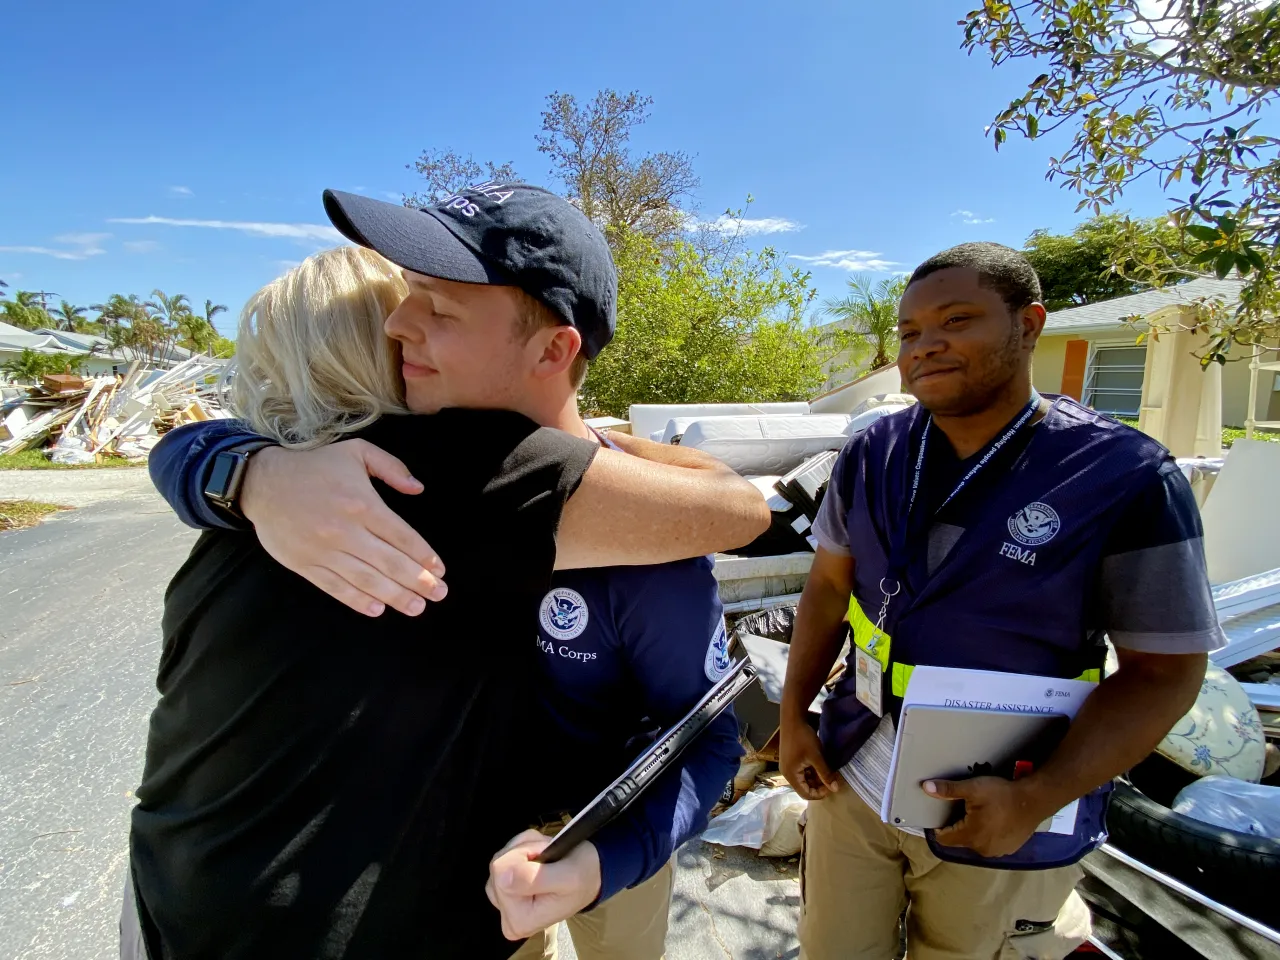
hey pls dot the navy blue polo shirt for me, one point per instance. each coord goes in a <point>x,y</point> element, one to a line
<point>626,652</point>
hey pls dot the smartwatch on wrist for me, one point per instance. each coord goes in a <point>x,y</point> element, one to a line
<point>227,476</point>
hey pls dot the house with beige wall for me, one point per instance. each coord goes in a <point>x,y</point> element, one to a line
<point>1091,354</point>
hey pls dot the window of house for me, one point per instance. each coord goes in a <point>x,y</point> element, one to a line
<point>1114,382</point>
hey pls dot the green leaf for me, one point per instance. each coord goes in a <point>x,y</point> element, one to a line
<point>1202,232</point>
<point>1033,126</point>
<point>1226,261</point>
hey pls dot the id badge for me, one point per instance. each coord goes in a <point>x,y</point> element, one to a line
<point>868,676</point>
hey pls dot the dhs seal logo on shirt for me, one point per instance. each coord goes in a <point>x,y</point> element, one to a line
<point>563,613</point>
<point>718,662</point>
<point>1034,524</point>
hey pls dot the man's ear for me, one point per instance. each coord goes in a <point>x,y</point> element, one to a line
<point>556,347</point>
<point>1032,318</point>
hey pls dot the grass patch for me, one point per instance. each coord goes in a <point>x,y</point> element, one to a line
<point>17,514</point>
<point>1232,434</point>
<point>36,460</point>
<point>1229,434</point>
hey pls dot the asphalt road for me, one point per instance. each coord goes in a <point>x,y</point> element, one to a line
<point>80,600</point>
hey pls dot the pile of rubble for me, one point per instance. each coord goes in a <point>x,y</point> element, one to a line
<point>84,420</point>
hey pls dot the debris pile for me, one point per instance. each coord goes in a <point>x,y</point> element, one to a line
<point>82,421</point>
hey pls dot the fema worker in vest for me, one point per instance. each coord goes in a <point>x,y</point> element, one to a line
<point>994,529</point>
<point>620,651</point>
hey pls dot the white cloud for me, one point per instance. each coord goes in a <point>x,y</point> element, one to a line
<point>76,246</point>
<point>1169,25</point>
<point>390,195</point>
<point>292,231</point>
<point>1160,38</point>
<point>745,226</point>
<point>141,246</point>
<point>82,239</point>
<point>49,252</point>
<point>968,216</point>
<point>851,260</point>
<point>180,192</point>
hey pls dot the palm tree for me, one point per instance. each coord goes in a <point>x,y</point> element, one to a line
<point>30,366</point>
<point>24,311</point>
<point>870,314</point>
<point>197,333</point>
<point>166,314</point>
<point>168,309</point>
<point>68,315</point>
<point>212,309</point>
<point>119,309</point>
<point>120,337</point>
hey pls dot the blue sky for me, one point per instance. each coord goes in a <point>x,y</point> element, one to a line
<point>185,146</point>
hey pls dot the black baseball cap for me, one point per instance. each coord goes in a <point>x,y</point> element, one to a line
<point>511,234</point>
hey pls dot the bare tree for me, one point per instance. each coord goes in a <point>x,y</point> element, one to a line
<point>447,171</point>
<point>589,149</point>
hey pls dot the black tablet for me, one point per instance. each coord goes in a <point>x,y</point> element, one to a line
<point>618,795</point>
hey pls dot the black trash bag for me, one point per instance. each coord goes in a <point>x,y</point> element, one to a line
<point>775,624</point>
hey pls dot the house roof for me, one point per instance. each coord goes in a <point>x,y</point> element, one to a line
<point>28,340</point>
<point>1109,314</point>
<point>47,341</point>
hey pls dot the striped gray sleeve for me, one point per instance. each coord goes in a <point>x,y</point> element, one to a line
<point>1157,600</point>
<point>831,528</point>
<point>1154,594</point>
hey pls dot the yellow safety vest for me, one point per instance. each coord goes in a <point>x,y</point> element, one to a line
<point>900,673</point>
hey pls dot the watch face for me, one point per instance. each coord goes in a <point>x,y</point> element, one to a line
<point>223,466</point>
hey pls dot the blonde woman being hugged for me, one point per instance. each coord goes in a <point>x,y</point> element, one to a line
<point>320,782</point>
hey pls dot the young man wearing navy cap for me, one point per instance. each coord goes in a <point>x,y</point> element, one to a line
<point>511,293</point>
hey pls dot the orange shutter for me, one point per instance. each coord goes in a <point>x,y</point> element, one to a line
<point>1073,369</point>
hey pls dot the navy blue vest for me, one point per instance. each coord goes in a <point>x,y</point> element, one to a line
<point>1015,592</point>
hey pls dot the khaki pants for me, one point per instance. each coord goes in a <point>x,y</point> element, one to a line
<point>858,875</point>
<point>629,926</point>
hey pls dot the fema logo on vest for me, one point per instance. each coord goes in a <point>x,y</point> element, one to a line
<point>563,613</point>
<point>1035,524</point>
<point>718,663</point>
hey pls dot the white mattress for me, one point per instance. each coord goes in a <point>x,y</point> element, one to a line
<point>649,418</point>
<point>861,421</point>
<point>767,445</point>
<point>679,425</point>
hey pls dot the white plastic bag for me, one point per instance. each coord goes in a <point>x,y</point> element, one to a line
<point>766,819</point>
<point>1232,805</point>
<point>69,450</point>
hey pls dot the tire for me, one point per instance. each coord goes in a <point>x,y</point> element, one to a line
<point>1236,869</point>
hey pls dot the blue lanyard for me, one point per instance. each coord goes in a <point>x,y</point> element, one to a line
<point>892,584</point>
<point>991,451</point>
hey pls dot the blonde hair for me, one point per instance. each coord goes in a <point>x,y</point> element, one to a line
<point>312,359</point>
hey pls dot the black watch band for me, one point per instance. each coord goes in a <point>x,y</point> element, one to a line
<point>227,475</point>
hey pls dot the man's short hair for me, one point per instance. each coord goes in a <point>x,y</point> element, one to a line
<point>999,268</point>
<point>534,315</point>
